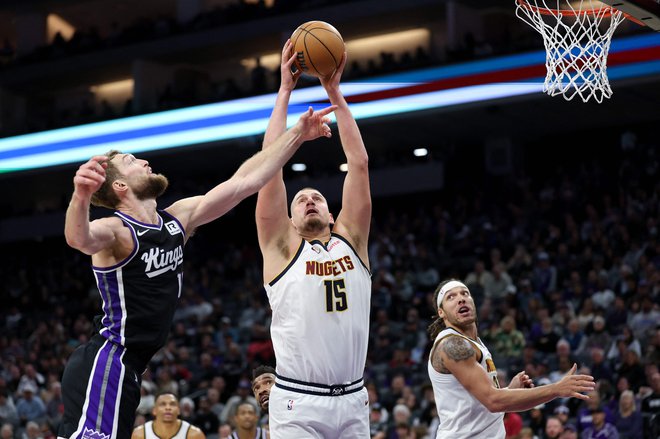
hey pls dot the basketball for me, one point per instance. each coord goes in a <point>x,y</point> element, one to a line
<point>319,48</point>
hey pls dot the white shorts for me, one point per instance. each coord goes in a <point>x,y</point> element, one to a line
<point>294,415</point>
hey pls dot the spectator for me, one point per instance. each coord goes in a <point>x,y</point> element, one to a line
<point>8,413</point>
<point>600,428</point>
<point>553,428</point>
<point>627,419</point>
<point>570,432</point>
<point>30,407</point>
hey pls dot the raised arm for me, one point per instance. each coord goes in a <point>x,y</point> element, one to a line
<point>458,357</point>
<point>271,211</point>
<point>253,173</point>
<point>89,238</point>
<point>354,218</point>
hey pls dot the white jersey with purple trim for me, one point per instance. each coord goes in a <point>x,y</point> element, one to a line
<point>461,415</point>
<point>321,303</point>
<point>181,434</point>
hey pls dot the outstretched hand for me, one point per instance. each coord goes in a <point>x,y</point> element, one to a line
<point>573,386</point>
<point>314,124</point>
<point>90,176</point>
<point>288,78</point>
<point>521,381</point>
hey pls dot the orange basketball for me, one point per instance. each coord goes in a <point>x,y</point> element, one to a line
<point>319,48</point>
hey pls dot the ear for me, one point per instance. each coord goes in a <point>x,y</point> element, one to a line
<point>441,313</point>
<point>120,186</point>
<point>332,219</point>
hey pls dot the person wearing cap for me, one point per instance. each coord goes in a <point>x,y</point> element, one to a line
<point>600,428</point>
<point>30,407</point>
<point>468,395</point>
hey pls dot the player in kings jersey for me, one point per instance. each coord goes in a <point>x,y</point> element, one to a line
<point>137,259</point>
<point>318,282</point>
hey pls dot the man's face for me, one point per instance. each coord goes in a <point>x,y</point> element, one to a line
<point>553,428</point>
<point>261,389</point>
<point>309,212</point>
<point>166,408</point>
<point>137,174</point>
<point>458,307</point>
<point>246,416</point>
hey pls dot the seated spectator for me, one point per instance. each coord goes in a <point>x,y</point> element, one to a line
<point>600,370</point>
<point>553,428</point>
<point>570,432</point>
<point>509,342</point>
<point>585,414</point>
<point>651,407</point>
<point>600,428</point>
<point>30,407</point>
<point>8,413</point>
<point>627,419</point>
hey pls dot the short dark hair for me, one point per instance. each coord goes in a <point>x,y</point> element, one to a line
<point>166,392</point>
<point>261,370</point>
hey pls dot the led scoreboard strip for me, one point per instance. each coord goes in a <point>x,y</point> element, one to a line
<point>482,80</point>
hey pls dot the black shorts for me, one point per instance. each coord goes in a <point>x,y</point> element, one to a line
<point>100,392</point>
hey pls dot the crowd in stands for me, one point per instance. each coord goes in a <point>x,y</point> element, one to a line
<point>563,261</point>
<point>175,95</point>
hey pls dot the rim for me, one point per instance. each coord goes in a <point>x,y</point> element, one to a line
<point>604,10</point>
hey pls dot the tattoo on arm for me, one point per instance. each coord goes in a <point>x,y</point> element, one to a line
<point>457,348</point>
<point>436,361</point>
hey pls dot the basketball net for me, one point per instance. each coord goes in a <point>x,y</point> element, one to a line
<point>577,37</point>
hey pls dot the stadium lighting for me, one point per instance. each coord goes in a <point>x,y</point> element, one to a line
<point>420,152</point>
<point>299,167</point>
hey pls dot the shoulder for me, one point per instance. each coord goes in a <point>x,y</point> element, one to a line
<point>138,432</point>
<point>456,348</point>
<point>195,433</point>
<point>109,221</point>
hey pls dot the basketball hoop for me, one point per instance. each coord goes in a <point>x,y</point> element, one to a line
<point>577,37</point>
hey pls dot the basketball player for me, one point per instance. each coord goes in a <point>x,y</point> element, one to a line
<point>166,423</point>
<point>137,259</point>
<point>263,378</point>
<point>245,421</point>
<point>318,283</point>
<point>468,397</point>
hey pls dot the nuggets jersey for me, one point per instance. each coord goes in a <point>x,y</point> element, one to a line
<point>321,303</point>
<point>181,434</point>
<point>140,293</point>
<point>461,415</point>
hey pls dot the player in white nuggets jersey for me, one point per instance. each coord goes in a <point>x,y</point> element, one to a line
<point>166,423</point>
<point>137,258</point>
<point>468,397</point>
<point>317,277</point>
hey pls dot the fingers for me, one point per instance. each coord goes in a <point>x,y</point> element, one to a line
<point>580,396</point>
<point>573,369</point>
<point>287,49</point>
<point>342,63</point>
<point>326,110</point>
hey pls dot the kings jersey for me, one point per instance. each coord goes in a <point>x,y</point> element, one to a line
<point>140,293</point>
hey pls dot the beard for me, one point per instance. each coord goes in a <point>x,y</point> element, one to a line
<point>151,187</point>
<point>314,225</point>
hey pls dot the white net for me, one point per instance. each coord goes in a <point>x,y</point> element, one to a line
<point>577,36</point>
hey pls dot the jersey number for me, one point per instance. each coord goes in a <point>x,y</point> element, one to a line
<point>335,295</point>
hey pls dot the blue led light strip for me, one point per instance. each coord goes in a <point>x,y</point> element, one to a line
<point>249,116</point>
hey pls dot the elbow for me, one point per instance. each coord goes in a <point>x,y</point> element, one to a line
<point>494,404</point>
<point>361,162</point>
